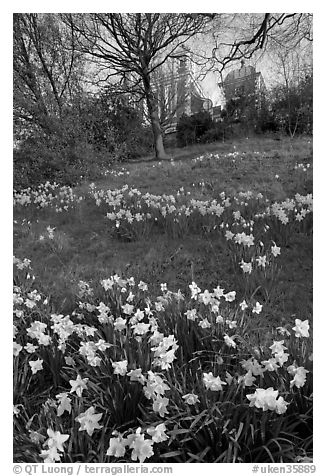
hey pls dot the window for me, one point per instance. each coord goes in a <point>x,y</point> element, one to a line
<point>240,90</point>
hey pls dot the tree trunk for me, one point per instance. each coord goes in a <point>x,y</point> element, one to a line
<point>155,122</point>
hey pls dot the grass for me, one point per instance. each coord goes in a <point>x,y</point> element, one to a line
<point>86,246</point>
<point>87,251</point>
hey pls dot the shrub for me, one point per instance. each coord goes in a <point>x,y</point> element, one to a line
<point>112,123</point>
<point>92,133</point>
<point>40,159</point>
<point>190,129</point>
<point>185,131</point>
<point>216,133</point>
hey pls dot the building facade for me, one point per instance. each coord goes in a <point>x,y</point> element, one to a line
<point>244,82</point>
<point>178,93</point>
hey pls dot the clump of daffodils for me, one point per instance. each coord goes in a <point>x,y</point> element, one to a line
<point>268,399</point>
<point>164,352</point>
<point>134,316</point>
<point>142,447</point>
<point>53,446</point>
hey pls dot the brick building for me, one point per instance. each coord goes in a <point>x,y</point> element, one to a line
<point>243,82</point>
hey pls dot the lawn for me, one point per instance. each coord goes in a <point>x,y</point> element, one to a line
<point>151,299</point>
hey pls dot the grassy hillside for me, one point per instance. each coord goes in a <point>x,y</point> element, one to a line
<point>236,215</point>
<point>85,249</point>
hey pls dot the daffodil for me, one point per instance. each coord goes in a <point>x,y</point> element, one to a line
<point>281,405</point>
<point>50,455</point>
<point>56,439</point>
<point>191,398</point>
<point>16,409</point>
<point>301,328</point>
<point>248,379</point>
<point>277,347</point>
<point>89,421</point>
<point>143,286</point>
<point>36,437</point>
<point>120,324</point>
<point>120,367</point>
<point>160,404</point>
<point>117,447</point>
<point>299,376</point>
<point>78,385</point>
<point>215,306</point>
<point>156,337</point>
<point>219,320</point>
<point>165,359</point>
<point>195,290</point>
<point>218,292</point>
<point>136,376</point>
<point>257,308</point>
<point>270,365</point>
<point>276,250</point>
<point>264,399</point>
<point>36,365</point>
<point>229,297</point>
<point>141,448</point>
<point>261,261</point>
<point>281,358</point>
<point>64,403</point>
<point>191,314</point>
<point>138,316</point>
<point>283,331</point>
<point>159,306</point>
<point>229,235</point>
<point>158,433</point>
<point>30,348</point>
<point>17,348</point>
<point>253,365</point>
<point>102,345</point>
<point>140,328</point>
<point>229,341</point>
<point>231,324</point>
<point>155,386</point>
<point>107,283</point>
<point>212,383</point>
<point>204,323</point>
<point>205,297</point>
<point>228,377</point>
<point>69,361</point>
<point>246,267</point>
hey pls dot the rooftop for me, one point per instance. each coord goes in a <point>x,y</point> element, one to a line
<point>242,72</point>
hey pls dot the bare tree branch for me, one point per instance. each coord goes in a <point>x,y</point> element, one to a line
<point>134,45</point>
<point>287,28</point>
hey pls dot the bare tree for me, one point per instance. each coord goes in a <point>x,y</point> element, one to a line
<point>47,69</point>
<point>293,91</point>
<point>165,88</point>
<point>252,33</point>
<point>132,46</point>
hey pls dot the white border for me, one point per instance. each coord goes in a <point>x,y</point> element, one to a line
<point>319,187</point>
